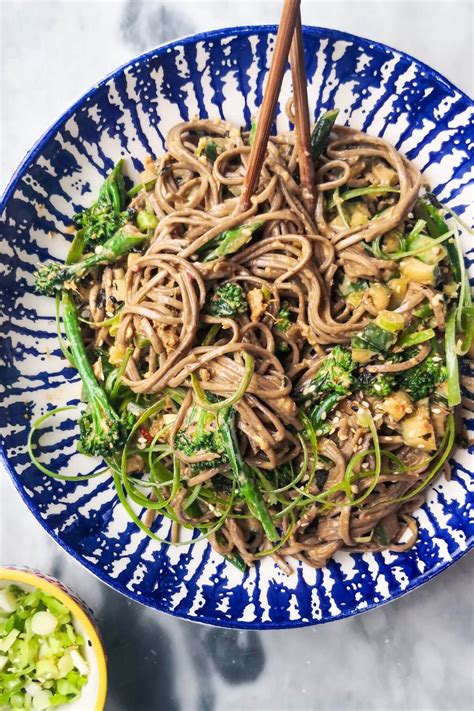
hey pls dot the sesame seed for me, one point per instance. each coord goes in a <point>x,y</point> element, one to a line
<point>421,446</point>
<point>365,465</point>
<point>436,410</point>
<point>437,359</point>
<point>365,403</point>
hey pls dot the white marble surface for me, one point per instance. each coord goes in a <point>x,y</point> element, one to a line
<point>415,654</point>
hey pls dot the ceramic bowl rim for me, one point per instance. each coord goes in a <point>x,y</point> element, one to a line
<point>32,154</point>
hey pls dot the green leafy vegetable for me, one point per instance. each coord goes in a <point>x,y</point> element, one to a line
<point>100,221</point>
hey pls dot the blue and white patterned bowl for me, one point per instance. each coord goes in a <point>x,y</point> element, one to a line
<point>222,73</point>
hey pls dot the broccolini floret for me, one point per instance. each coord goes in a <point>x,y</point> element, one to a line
<point>379,385</point>
<point>334,380</point>
<point>421,380</point>
<point>52,276</point>
<point>227,300</point>
<point>209,441</point>
<point>334,376</point>
<point>100,221</point>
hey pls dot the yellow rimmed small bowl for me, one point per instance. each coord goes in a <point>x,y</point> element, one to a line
<point>94,692</point>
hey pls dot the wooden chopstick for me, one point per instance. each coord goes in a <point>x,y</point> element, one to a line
<point>303,135</point>
<point>267,110</point>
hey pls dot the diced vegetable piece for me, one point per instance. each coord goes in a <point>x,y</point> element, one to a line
<point>390,321</point>
<point>398,288</point>
<point>433,253</point>
<point>7,601</point>
<point>65,664</point>
<point>360,215</point>
<point>397,405</point>
<point>361,355</point>
<point>46,669</point>
<point>414,339</point>
<point>42,700</point>
<point>9,640</point>
<point>373,337</point>
<point>146,220</point>
<point>418,431</point>
<point>79,662</point>
<point>33,688</point>
<point>43,623</point>
<point>380,295</point>
<point>418,271</point>
<point>355,298</point>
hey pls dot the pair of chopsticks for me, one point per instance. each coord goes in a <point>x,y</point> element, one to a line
<point>289,41</point>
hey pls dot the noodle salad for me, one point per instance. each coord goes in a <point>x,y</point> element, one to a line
<point>284,383</point>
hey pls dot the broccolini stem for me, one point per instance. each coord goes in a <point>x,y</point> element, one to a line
<point>247,485</point>
<point>72,328</point>
<point>230,241</point>
<point>51,277</point>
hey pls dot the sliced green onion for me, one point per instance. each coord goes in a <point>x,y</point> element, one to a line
<point>390,321</point>
<point>454,390</point>
<point>141,186</point>
<point>415,232</point>
<point>202,400</point>
<point>54,475</point>
<point>376,246</point>
<point>62,343</point>
<point>414,339</point>
<point>360,192</point>
<point>340,210</point>
<point>41,652</point>
<point>414,252</point>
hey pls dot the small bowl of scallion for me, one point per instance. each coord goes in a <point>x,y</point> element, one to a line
<point>51,655</point>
